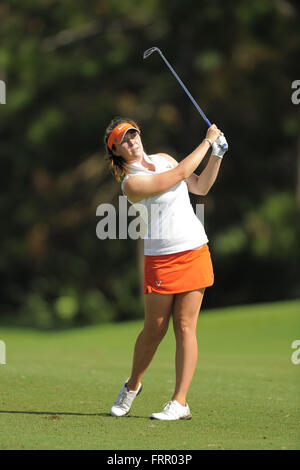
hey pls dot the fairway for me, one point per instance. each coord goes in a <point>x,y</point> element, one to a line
<point>57,387</point>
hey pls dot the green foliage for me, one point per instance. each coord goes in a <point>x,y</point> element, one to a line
<point>69,67</point>
<point>275,227</point>
<point>37,311</point>
<point>270,230</point>
<point>96,308</point>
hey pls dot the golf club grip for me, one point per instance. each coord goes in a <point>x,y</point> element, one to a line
<point>186,90</point>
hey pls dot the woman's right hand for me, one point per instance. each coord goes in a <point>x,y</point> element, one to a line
<point>213,133</point>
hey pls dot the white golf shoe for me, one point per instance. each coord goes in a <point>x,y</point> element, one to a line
<point>172,411</point>
<point>122,405</point>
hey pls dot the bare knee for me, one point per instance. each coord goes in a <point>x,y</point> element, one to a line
<point>155,333</point>
<point>183,328</point>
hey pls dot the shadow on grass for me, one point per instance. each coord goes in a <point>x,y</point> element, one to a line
<point>66,413</point>
<point>54,413</point>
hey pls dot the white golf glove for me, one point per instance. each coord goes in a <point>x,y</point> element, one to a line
<point>219,147</point>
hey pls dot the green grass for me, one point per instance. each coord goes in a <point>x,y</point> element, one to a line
<point>57,388</point>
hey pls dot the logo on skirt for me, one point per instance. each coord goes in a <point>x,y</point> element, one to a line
<point>158,283</point>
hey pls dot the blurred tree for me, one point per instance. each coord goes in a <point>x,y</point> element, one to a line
<point>69,67</point>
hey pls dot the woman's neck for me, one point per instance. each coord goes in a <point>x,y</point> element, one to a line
<point>142,161</point>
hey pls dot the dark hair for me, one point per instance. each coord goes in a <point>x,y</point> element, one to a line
<point>116,163</point>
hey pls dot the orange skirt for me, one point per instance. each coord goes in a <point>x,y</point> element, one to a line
<point>178,272</point>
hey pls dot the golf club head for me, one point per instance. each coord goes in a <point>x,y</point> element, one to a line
<point>149,52</point>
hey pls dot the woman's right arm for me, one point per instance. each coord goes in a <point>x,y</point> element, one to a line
<point>137,187</point>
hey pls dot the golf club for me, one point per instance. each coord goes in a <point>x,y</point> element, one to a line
<point>155,49</point>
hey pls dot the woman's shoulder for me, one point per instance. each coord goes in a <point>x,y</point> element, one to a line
<point>168,157</point>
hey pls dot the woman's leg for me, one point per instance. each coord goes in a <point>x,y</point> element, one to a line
<point>158,308</point>
<point>185,315</point>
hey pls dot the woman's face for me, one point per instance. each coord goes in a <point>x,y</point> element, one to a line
<point>131,148</point>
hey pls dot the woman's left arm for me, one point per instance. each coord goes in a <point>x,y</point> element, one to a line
<point>201,184</point>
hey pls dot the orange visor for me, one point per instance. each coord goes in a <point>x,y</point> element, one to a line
<point>118,133</point>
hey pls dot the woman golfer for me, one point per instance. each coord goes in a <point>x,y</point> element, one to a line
<point>177,262</point>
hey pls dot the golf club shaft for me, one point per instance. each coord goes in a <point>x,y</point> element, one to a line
<point>185,89</point>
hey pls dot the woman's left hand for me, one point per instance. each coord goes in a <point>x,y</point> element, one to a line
<point>220,147</point>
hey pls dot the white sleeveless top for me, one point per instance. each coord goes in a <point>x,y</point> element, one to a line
<point>169,221</point>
